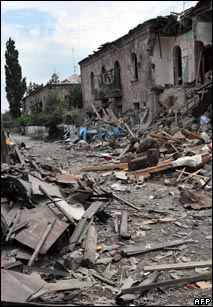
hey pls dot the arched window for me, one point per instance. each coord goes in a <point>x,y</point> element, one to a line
<point>135,66</point>
<point>177,58</point>
<point>92,82</point>
<point>103,70</point>
<point>117,76</point>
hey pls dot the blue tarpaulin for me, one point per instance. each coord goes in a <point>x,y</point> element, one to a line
<point>83,131</point>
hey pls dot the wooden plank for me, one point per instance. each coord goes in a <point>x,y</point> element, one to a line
<point>192,134</point>
<point>41,242</point>
<point>20,156</point>
<point>90,247</point>
<point>124,226</point>
<point>121,199</point>
<point>134,250</point>
<point>167,165</point>
<point>181,173</point>
<point>112,115</point>
<point>104,167</point>
<point>121,299</point>
<point>61,285</point>
<point>177,266</point>
<point>70,218</point>
<point>129,130</point>
<point>170,283</point>
<point>103,279</point>
<point>15,221</point>
<point>83,222</point>
<point>45,271</point>
<point>165,137</point>
<point>124,151</point>
<point>193,174</point>
<point>152,169</point>
<point>94,109</point>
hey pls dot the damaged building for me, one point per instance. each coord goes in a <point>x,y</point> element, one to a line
<point>155,67</point>
<point>35,102</point>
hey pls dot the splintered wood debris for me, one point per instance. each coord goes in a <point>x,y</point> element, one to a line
<point>68,237</point>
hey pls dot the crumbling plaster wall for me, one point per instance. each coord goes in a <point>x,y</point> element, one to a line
<point>133,91</point>
<point>203,32</point>
<point>163,72</point>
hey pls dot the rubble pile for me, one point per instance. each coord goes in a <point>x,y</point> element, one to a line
<point>121,230</point>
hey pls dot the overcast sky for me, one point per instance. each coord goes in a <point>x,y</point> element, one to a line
<point>53,36</point>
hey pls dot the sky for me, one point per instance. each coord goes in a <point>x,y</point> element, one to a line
<point>53,36</point>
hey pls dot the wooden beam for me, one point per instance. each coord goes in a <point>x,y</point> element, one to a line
<point>103,279</point>
<point>70,218</point>
<point>104,167</point>
<point>124,151</point>
<point>94,109</point>
<point>15,221</point>
<point>192,134</point>
<point>170,283</point>
<point>193,174</point>
<point>90,247</point>
<point>177,266</point>
<point>41,242</point>
<point>129,130</point>
<point>124,226</point>
<point>134,250</point>
<point>20,156</point>
<point>83,225</point>
<point>121,199</point>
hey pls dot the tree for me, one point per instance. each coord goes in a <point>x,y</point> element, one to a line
<point>15,84</point>
<point>33,88</point>
<point>75,97</point>
<point>54,78</point>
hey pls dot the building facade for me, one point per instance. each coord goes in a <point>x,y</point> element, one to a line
<point>151,65</point>
<point>36,102</point>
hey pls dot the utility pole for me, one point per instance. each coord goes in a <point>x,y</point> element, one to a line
<point>74,67</point>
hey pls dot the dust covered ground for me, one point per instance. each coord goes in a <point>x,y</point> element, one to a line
<point>165,219</point>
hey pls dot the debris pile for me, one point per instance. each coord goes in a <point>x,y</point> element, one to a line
<point>109,236</point>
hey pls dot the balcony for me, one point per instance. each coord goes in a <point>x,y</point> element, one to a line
<point>107,91</point>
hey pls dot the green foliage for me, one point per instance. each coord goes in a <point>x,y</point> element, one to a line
<point>75,97</point>
<point>23,120</point>
<point>54,109</point>
<point>7,120</point>
<point>53,103</point>
<point>33,88</point>
<point>6,116</point>
<point>74,117</point>
<point>15,84</point>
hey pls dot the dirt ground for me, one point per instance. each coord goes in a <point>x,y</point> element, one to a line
<point>156,199</point>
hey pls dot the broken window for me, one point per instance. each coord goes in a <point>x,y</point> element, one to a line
<point>136,105</point>
<point>206,62</point>
<point>92,82</point>
<point>135,66</point>
<point>177,57</point>
<point>117,76</point>
<point>103,70</point>
<point>203,55</point>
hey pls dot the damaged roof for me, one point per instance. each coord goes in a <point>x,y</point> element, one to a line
<point>173,24</point>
